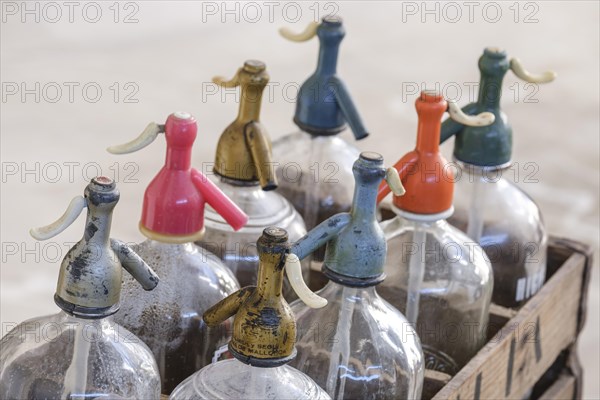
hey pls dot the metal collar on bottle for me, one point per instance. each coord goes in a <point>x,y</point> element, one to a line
<point>481,169</point>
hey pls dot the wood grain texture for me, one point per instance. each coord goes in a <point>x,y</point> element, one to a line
<point>530,342</point>
<point>563,389</point>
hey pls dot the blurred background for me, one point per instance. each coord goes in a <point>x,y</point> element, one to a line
<point>80,76</point>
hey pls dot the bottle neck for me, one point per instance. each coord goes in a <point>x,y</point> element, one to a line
<point>178,158</point>
<point>490,92</point>
<point>173,247</point>
<point>281,372</point>
<point>91,329</point>
<point>75,322</point>
<point>421,225</point>
<point>424,221</point>
<point>328,57</point>
<point>333,290</point>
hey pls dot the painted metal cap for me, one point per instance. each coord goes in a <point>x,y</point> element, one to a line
<point>424,172</point>
<point>429,184</point>
<point>89,283</point>
<point>174,201</point>
<point>356,247</point>
<point>489,146</point>
<point>324,105</point>
<point>264,327</point>
<point>358,251</point>
<point>244,150</point>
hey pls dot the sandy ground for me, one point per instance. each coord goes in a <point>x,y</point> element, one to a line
<point>75,80</point>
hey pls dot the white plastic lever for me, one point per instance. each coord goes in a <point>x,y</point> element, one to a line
<point>522,73</point>
<point>294,273</point>
<point>143,140</point>
<point>307,34</point>
<point>393,180</point>
<point>482,119</point>
<point>46,232</point>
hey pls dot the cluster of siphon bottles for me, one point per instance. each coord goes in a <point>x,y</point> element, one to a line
<point>203,312</point>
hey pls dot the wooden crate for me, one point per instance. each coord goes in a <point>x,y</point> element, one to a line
<point>533,349</point>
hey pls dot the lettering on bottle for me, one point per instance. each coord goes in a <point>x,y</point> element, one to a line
<point>258,349</point>
<point>529,285</point>
<point>221,353</point>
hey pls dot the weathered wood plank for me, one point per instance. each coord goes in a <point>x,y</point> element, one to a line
<point>434,381</point>
<point>576,371</point>
<point>563,389</point>
<point>528,344</point>
<point>502,312</point>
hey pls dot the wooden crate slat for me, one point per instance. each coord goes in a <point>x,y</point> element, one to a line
<point>434,381</point>
<point>563,389</point>
<point>499,311</point>
<point>527,346</point>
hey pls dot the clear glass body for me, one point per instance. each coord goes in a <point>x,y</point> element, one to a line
<point>315,175</point>
<point>442,281</point>
<point>62,356</point>
<point>358,346</point>
<point>238,249</point>
<point>232,379</point>
<point>169,318</point>
<point>509,227</point>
